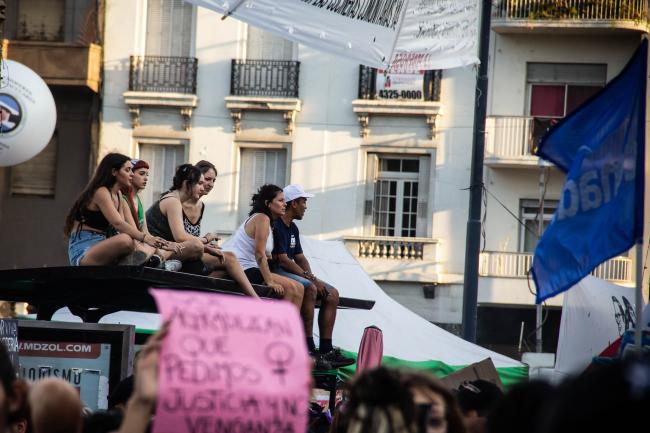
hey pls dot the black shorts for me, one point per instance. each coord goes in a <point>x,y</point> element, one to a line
<point>254,275</point>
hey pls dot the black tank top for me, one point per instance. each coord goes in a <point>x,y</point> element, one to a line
<point>95,218</point>
<point>159,225</point>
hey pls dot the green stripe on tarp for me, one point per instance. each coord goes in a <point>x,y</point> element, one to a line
<point>509,375</point>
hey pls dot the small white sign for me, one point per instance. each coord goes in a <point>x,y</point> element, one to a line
<point>399,86</point>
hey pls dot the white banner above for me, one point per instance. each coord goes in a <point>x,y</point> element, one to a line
<point>408,35</point>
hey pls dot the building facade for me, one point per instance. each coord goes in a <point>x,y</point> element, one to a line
<point>387,156</point>
<point>61,40</point>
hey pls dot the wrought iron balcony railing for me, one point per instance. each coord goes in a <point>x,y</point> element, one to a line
<point>503,264</point>
<point>276,78</point>
<point>163,74</point>
<point>583,10</point>
<point>430,86</point>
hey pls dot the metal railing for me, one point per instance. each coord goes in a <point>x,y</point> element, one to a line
<point>508,136</point>
<point>389,247</point>
<point>516,265</point>
<point>368,84</point>
<point>163,74</point>
<point>279,78</point>
<point>584,10</point>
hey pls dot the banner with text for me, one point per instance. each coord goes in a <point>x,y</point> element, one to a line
<point>231,363</point>
<point>410,34</point>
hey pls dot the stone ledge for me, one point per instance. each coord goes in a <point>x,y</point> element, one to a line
<point>136,100</point>
<point>364,108</point>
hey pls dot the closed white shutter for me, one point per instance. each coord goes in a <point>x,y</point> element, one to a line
<point>258,167</point>
<point>371,182</point>
<point>37,176</point>
<point>163,160</point>
<point>262,45</point>
<point>169,28</point>
<point>423,218</point>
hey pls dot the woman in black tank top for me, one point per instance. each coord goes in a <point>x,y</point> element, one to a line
<point>99,208</point>
<point>177,217</point>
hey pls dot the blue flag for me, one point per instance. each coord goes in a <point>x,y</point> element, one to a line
<point>601,148</point>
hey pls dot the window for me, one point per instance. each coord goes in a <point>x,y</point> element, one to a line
<point>555,90</point>
<point>262,45</point>
<point>529,212</point>
<point>258,167</point>
<point>41,20</point>
<point>163,160</point>
<point>397,202</point>
<point>169,28</point>
<point>37,176</point>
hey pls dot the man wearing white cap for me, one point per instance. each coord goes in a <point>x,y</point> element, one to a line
<point>293,264</point>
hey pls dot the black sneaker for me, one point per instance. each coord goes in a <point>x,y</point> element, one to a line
<point>155,261</point>
<point>320,363</point>
<point>337,359</point>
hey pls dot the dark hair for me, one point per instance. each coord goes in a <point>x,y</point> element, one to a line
<point>260,200</point>
<point>204,166</point>
<point>479,395</point>
<point>129,193</point>
<point>103,177</point>
<point>185,172</point>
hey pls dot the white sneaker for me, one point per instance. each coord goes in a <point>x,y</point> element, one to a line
<point>173,265</point>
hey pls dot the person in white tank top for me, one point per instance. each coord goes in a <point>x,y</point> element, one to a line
<point>252,243</point>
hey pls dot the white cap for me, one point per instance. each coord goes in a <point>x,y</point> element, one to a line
<point>292,192</point>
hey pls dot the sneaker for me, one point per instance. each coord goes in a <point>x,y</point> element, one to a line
<point>173,265</point>
<point>337,359</point>
<point>155,261</point>
<point>320,363</point>
<point>136,258</point>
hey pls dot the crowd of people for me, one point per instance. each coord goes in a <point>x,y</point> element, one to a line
<point>108,225</point>
<point>609,398</point>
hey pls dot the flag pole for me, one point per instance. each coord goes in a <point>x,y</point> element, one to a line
<point>638,295</point>
<point>473,236</point>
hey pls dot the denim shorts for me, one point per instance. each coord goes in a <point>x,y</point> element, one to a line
<point>304,281</point>
<point>79,244</point>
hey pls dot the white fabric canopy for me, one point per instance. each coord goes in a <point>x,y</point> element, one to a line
<point>410,35</point>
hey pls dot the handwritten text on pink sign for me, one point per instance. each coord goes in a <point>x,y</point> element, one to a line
<point>231,364</point>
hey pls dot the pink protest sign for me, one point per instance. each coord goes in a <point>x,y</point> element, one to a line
<point>231,364</point>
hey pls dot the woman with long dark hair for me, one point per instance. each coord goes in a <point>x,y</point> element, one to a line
<point>99,212</point>
<point>252,243</point>
<point>177,217</point>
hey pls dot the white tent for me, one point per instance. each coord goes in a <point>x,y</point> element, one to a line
<point>408,338</point>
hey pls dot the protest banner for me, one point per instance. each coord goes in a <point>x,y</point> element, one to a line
<point>231,363</point>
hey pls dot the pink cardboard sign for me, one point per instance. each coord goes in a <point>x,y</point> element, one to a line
<point>231,364</point>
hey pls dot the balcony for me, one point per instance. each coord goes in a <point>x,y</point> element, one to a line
<point>583,16</point>
<point>264,85</point>
<point>516,265</point>
<point>509,142</point>
<point>162,81</point>
<point>81,68</point>
<point>422,102</point>
<point>387,258</point>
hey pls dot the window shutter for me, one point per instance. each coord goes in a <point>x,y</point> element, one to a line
<point>258,167</point>
<point>163,160</point>
<point>423,217</point>
<point>37,176</point>
<point>372,162</point>
<point>262,45</point>
<point>169,28</point>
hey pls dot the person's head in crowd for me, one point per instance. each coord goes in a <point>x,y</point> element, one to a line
<point>118,398</point>
<point>382,400</point>
<point>188,179</point>
<point>437,407</point>
<point>611,398</point>
<point>269,200</point>
<point>209,175</point>
<point>521,408</point>
<point>103,421</point>
<point>296,199</point>
<point>476,400</point>
<point>55,407</point>
<point>113,168</point>
<point>13,393</point>
<point>138,183</point>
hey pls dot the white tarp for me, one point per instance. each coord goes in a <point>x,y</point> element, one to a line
<point>594,315</point>
<point>407,336</point>
<point>410,34</point>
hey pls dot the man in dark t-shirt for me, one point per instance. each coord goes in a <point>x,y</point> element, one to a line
<point>293,264</point>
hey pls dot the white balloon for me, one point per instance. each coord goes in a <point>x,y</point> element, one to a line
<point>27,114</point>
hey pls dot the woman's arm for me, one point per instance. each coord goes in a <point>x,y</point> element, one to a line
<point>104,202</point>
<point>262,228</point>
